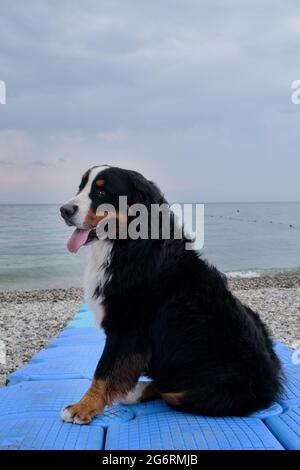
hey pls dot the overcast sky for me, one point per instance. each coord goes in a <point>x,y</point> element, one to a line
<point>195,94</point>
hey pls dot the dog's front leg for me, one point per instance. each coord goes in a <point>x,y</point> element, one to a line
<point>117,372</point>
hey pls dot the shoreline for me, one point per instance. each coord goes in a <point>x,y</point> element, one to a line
<point>278,282</point>
<point>76,293</point>
<point>30,319</point>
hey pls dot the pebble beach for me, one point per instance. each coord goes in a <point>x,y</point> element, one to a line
<point>30,319</point>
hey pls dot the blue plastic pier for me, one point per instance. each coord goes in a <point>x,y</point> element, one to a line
<point>60,373</point>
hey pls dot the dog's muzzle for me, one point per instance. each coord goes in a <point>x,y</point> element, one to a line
<point>67,211</point>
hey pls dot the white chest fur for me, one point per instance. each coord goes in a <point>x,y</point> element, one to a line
<point>96,276</point>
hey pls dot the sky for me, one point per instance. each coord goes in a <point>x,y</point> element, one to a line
<point>196,95</point>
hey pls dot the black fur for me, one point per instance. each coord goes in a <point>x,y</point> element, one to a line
<point>173,311</point>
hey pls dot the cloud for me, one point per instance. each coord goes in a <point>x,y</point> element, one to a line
<point>41,163</point>
<point>197,97</point>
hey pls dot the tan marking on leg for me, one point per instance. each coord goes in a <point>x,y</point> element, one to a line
<point>91,404</point>
<point>173,398</point>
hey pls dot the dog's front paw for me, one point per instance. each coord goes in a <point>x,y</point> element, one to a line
<point>91,404</point>
<point>79,413</point>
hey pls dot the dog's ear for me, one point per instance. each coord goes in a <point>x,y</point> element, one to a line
<point>145,191</point>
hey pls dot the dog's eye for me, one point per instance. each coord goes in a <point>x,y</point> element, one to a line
<point>100,193</point>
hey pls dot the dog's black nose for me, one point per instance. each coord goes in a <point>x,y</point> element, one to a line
<point>68,210</point>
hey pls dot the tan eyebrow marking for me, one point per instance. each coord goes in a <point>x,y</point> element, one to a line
<point>100,182</point>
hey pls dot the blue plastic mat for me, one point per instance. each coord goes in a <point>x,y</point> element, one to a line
<point>159,406</point>
<point>286,428</point>
<point>59,368</point>
<point>291,393</point>
<point>93,352</point>
<point>59,375</point>
<point>41,433</point>
<point>284,353</point>
<point>90,333</point>
<point>38,399</point>
<point>181,431</point>
<point>78,336</point>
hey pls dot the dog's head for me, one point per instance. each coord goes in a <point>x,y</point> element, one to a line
<point>104,185</point>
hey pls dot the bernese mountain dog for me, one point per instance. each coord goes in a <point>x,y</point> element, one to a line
<point>166,314</point>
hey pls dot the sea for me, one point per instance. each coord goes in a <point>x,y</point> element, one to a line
<point>241,239</point>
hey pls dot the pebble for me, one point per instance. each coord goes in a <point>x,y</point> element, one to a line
<point>27,326</point>
<point>30,319</point>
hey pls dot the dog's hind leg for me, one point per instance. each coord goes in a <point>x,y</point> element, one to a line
<point>143,391</point>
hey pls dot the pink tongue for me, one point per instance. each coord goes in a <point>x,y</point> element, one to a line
<point>77,239</point>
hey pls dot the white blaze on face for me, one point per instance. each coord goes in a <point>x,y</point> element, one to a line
<point>83,201</point>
